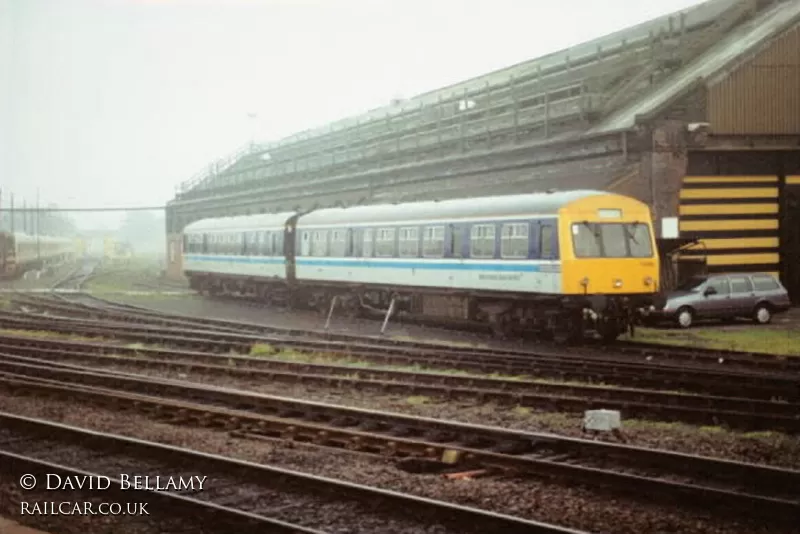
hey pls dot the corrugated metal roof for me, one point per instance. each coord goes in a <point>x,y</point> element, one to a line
<point>693,16</point>
<point>736,47</point>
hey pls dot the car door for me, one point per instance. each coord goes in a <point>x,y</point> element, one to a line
<point>715,303</point>
<point>742,296</point>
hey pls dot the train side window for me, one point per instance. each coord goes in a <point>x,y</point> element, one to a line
<point>546,241</point>
<point>305,245</point>
<point>319,243</point>
<point>338,243</point>
<point>384,243</point>
<point>433,242</point>
<point>277,243</point>
<point>482,239</point>
<point>514,240</point>
<point>409,242</point>
<point>368,243</point>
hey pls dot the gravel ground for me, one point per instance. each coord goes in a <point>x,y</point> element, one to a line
<point>760,447</point>
<point>197,306</point>
<point>278,498</point>
<point>11,497</point>
<point>575,507</point>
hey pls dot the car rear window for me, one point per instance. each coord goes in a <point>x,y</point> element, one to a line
<point>765,283</point>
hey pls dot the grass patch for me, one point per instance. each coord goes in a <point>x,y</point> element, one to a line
<point>267,350</point>
<point>755,339</point>
<point>464,344</point>
<point>416,400</point>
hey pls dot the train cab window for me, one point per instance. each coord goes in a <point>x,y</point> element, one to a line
<point>614,240</point>
<point>514,241</point>
<point>433,242</point>
<point>384,243</point>
<point>482,240</point>
<point>338,243</point>
<point>546,241</point>
<point>611,240</point>
<point>409,242</point>
<point>586,241</point>
<point>319,243</point>
<point>639,240</point>
<point>368,243</point>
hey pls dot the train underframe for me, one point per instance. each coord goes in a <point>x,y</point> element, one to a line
<point>11,270</point>
<point>568,318</point>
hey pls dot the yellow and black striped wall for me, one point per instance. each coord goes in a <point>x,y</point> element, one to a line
<point>736,220</point>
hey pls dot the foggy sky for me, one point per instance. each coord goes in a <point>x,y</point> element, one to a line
<point>115,102</point>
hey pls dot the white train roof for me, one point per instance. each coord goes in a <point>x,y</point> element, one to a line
<point>473,208</point>
<point>239,223</point>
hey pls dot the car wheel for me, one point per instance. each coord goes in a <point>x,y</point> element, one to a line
<point>762,314</point>
<point>685,317</point>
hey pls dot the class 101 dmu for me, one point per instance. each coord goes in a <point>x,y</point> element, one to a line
<point>562,264</point>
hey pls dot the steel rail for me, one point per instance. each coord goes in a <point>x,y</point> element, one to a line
<point>734,412</point>
<point>629,374</point>
<point>534,453</point>
<point>321,494</point>
<point>650,352</point>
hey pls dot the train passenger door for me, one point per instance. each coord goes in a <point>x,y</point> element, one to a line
<point>305,243</point>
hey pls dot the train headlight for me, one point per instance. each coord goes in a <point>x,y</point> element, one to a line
<point>648,281</point>
<point>617,283</point>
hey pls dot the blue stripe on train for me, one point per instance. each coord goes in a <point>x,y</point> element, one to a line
<point>401,264</point>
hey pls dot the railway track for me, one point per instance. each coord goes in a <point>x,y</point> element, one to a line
<point>238,496</point>
<point>750,490</point>
<point>92,306</point>
<point>78,277</point>
<point>625,370</point>
<point>700,409</point>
